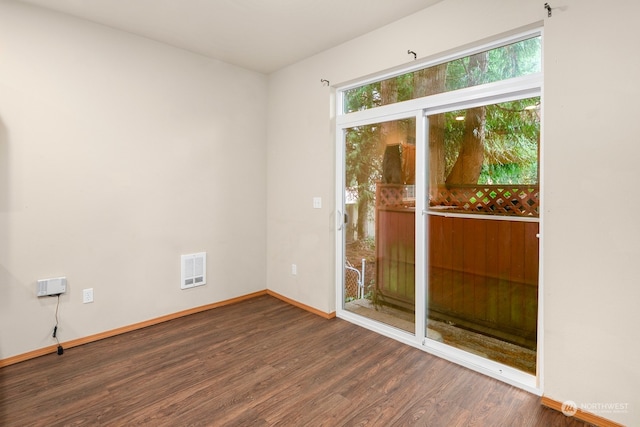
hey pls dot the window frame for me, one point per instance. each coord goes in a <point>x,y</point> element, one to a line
<point>527,86</point>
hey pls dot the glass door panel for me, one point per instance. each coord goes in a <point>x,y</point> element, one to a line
<point>379,264</point>
<point>482,225</point>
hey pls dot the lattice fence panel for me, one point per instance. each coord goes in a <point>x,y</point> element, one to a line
<point>515,200</point>
<point>394,195</point>
<point>495,199</point>
<point>350,284</point>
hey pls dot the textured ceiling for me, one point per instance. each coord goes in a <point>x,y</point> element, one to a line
<point>261,35</point>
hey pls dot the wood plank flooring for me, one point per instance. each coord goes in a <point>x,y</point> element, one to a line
<point>260,362</point>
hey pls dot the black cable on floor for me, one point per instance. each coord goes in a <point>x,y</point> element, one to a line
<point>55,328</point>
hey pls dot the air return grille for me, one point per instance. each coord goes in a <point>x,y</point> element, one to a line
<point>193,270</point>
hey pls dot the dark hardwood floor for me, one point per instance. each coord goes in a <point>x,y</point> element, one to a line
<point>260,362</point>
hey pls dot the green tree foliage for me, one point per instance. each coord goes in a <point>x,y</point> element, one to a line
<point>511,137</point>
<point>363,169</point>
<point>363,154</point>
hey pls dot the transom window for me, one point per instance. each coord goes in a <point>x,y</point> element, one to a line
<point>505,62</point>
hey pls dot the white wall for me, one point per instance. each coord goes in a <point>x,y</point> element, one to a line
<point>117,155</point>
<point>300,165</point>
<point>592,284</point>
<point>590,237</point>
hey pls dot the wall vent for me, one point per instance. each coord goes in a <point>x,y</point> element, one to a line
<point>54,286</point>
<point>193,270</point>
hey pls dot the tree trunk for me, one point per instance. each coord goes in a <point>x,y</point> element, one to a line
<point>426,82</point>
<point>363,178</point>
<point>363,214</point>
<point>391,163</point>
<point>468,165</point>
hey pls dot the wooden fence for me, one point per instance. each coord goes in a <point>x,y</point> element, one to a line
<point>483,273</point>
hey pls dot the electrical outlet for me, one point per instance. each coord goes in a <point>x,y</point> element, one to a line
<point>294,269</point>
<point>87,295</point>
<point>317,202</point>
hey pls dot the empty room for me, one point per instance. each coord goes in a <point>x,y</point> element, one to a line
<point>287,212</point>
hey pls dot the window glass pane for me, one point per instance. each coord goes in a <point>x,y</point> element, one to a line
<point>486,159</point>
<point>505,62</point>
<point>483,287</point>
<point>482,273</point>
<point>379,264</point>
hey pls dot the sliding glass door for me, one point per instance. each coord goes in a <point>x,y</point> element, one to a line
<point>439,205</point>
<point>482,228</point>
<point>379,246</point>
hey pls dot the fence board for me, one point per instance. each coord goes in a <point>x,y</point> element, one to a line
<point>483,274</point>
